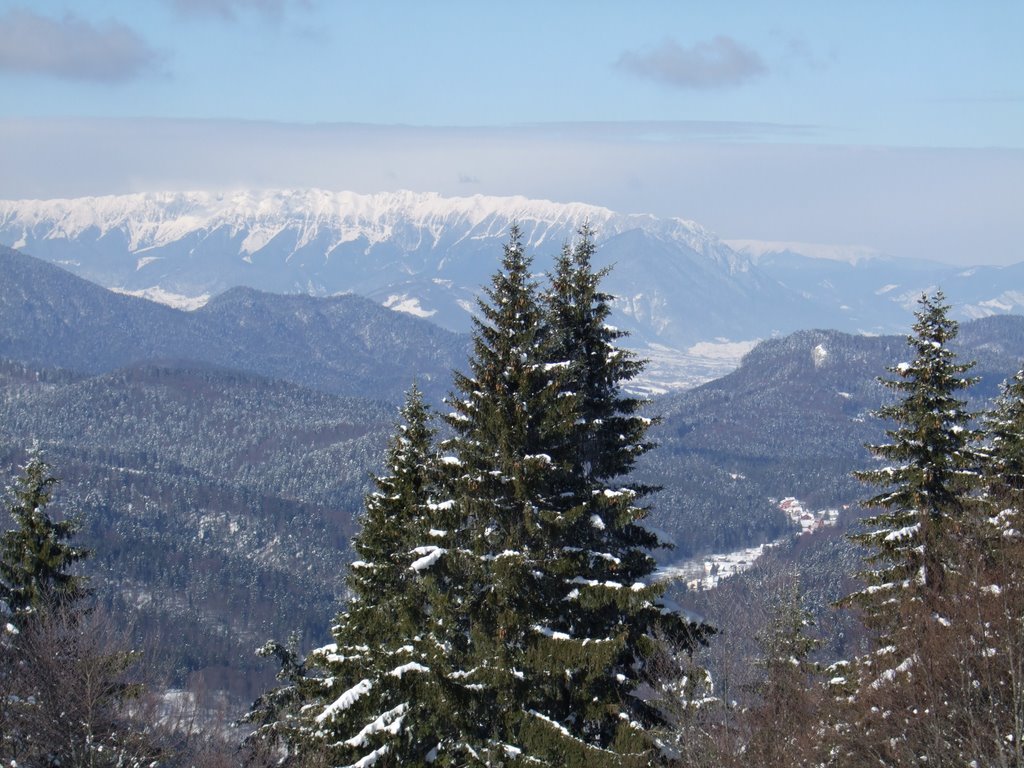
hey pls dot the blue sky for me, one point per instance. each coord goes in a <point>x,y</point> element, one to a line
<point>895,125</point>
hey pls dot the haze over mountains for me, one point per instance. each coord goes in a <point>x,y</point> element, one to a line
<point>677,285</point>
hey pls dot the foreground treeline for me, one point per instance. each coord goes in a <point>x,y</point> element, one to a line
<point>504,609</point>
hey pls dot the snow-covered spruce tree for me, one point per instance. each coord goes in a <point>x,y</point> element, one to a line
<point>278,736</point>
<point>926,505</point>
<point>899,702</point>
<point>36,556</point>
<point>600,550</point>
<point>982,685</point>
<point>561,612</point>
<point>1004,465</point>
<point>383,696</point>
<point>607,435</point>
<point>507,417</point>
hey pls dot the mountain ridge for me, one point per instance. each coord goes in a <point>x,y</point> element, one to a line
<point>676,285</point>
<point>372,216</point>
<point>201,480</point>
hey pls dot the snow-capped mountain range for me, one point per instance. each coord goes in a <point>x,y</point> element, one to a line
<point>678,287</point>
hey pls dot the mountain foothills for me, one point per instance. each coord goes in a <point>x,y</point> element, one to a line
<point>427,255</point>
<point>344,345</point>
<point>792,420</point>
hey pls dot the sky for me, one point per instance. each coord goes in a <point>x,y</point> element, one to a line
<point>892,126</point>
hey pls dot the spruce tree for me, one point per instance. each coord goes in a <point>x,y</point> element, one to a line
<point>382,695</point>
<point>914,540</point>
<point>920,546</point>
<point>942,685</point>
<point>789,692</point>
<point>561,605</point>
<point>36,556</point>
<point>503,606</point>
<point>276,714</point>
<point>1005,456</point>
<point>508,421</point>
<point>608,437</point>
<point>65,679</point>
<point>925,504</point>
<point>608,608</point>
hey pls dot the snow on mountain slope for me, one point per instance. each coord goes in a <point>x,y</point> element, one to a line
<point>676,284</point>
<point>408,219</point>
<point>415,252</point>
<point>867,291</point>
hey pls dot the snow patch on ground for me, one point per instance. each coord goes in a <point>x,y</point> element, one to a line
<point>819,355</point>
<point>1007,301</point>
<point>160,296</point>
<point>409,304</point>
<point>706,572</point>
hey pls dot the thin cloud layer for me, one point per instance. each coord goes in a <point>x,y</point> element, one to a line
<point>71,48</point>
<point>799,51</point>
<point>230,9</point>
<point>718,63</point>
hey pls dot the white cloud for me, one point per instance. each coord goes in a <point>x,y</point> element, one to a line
<point>72,48</point>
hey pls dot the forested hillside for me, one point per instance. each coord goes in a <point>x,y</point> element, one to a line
<point>793,420</point>
<point>344,345</point>
<point>219,504</point>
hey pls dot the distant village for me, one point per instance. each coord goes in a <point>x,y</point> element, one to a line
<point>809,520</point>
<point>707,571</point>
